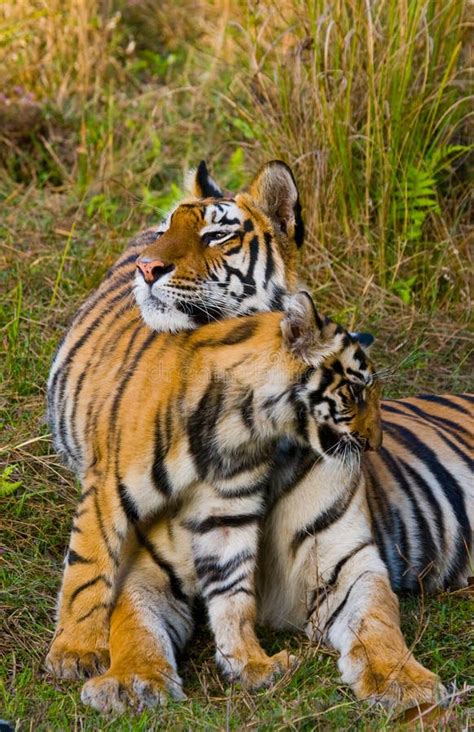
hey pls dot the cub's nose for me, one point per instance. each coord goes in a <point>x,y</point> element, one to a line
<point>153,269</point>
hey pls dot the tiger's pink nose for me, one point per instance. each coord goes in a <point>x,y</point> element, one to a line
<point>153,269</point>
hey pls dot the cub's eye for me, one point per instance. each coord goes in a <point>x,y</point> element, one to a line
<point>356,390</point>
<point>211,237</point>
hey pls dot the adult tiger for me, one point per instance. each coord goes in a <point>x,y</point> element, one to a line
<point>251,269</point>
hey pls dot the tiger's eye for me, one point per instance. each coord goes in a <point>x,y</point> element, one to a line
<point>213,236</point>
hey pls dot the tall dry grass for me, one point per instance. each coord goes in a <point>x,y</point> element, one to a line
<point>370,102</point>
<point>58,49</point>
<point>102,97</point>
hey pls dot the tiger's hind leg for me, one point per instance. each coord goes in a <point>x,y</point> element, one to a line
<point>358,615</point>
<point>80,644</point>
<point>149,627</point>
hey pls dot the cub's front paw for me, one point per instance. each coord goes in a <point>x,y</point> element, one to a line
<point>71,661</point>
<point>259,670</point>
<point>119,692</point>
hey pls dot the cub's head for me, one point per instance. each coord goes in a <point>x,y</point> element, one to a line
<point>217,256</point>
<point>337,396</point>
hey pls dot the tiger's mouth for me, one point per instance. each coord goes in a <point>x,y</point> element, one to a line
<point>172,307</point>
<point>202,302</point>
<point>169,304</point>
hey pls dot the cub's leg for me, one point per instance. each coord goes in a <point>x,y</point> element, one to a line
<point>149,627</point>
<point>357,613</point>
<point>225,539</point>
<point>80,644</point>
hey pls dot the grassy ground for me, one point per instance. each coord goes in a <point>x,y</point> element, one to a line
<point>104,106</point>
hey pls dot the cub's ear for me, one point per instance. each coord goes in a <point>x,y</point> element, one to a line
<point>301,326</point>
<point>200,184</point>
<point>274,190</point>
<point>364,339</point>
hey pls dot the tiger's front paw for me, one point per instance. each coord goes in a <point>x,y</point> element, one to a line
<point>259,670</point>
<point>398,687</point>
<point>405,690</point>
<point>119,692</point>
<point>73,661</point>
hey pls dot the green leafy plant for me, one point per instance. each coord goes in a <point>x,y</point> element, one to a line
<point>244,127</point>
<point>153,63</point>
<point>420,195</point>
<point>7,486</point>
<point>404,288</point>
<point>419,199</point>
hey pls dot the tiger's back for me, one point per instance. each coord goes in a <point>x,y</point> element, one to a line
<point>420,487</point>
<point>104,338</point>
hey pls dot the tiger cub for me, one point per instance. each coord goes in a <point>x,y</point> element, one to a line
<point>196,427</point>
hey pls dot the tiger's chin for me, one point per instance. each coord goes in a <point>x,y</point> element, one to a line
<point>164,318</point>
<point>160,315</point>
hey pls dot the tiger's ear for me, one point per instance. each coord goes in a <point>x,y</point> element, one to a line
<point>200,184</point>
<point>274,190</point>
<point>302,327</point>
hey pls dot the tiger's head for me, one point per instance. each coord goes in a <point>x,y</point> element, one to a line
<point>337,395</point>
<point>217,256</point>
